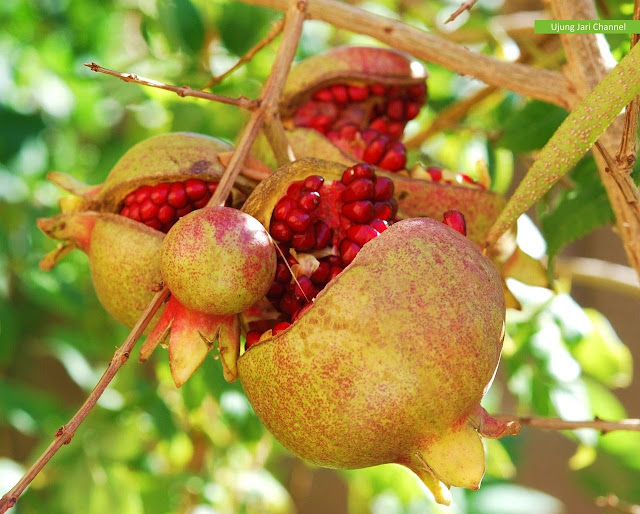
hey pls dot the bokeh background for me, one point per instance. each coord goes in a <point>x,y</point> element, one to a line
<point>149,448</point>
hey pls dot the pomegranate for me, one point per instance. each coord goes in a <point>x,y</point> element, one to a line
<point>320,216</point>
<point>388,361</point>
<point>216,262</point>
<point>121,223</point>
<point>356,101</point>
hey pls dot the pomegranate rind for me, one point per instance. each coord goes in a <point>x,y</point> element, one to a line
<point>190,336</point>
<point>124,258</point>
<point>344,64</point>
<point>218,260</point>
<point>172,157</point>
<point>392,358</point>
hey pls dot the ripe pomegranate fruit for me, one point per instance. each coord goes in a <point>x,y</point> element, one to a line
<point>120,224</point>
<point>320,216</point>
<point>355,100</point>
<point>389,362</point>
<point>216,262</point>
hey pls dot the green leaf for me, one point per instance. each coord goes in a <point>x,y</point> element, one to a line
<point>604,404</point>
<point>182,24</point>
<point>602,355</point>
<point>578,211</point>
<point>241,26</point>
<point>531,127</point>
<point>574,137</point>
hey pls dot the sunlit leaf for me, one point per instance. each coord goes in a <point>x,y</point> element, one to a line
<point>602,355</point>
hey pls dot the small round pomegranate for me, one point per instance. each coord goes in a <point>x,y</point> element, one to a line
<point>218,260</point>
<point>120,223</point>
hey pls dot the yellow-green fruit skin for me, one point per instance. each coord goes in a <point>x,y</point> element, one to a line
<point>125,265</point>
<point>218,260</point>
<point>395,353</point>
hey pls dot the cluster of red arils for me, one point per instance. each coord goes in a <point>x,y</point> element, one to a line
<point>160,206</point>
<point>320,226</point>
<point>366,121</point>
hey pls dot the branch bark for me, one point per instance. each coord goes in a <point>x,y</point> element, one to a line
<point>538,83</point>
<point>585,68</point>
<point>66,432</point>
<point>627,153</point>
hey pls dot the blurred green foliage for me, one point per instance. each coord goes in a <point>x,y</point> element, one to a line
<point>150,448</point>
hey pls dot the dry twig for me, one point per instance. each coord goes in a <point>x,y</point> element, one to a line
<point>600,274</point>
<point>243,102</point>
<point>273,33</point>
<point>562,424</point>
<point>268,111</point>
<point>270,95</point>
<point>465,6</point>
<point>66,432</point>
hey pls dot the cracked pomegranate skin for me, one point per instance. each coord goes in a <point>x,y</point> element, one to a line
<point>391,361</point>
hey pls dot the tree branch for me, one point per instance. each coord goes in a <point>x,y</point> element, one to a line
<point>599,274</point>
<point>611,501</point>
<point>66,432</point>
<point>273,33</point>
<point>585,69</point>
<point>269,98</point>
<point>242,102</point>
<point>465,6</point>
<point>626,156</point>
<point>603,426</point>
<point>538,83</point>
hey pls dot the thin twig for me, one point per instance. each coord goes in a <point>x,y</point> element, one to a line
<point>627,153</point>
<point>243,102</point>
<point>600,274</point>
<point>66,432</point>
<point>625,183</point>
<point>603,426</point>
<point>549,86</point>
<point>271,93</point>
<point>268,98</point>
<point>465,6</point>
<point>273,33</point>
<point>611,501</point>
